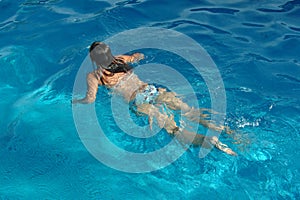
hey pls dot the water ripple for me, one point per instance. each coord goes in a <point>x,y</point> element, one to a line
<point>128,2</point>
<point>174,24</point>
<point>284,8</point>
<point>253,25</point>
<point>259,57</point>
<point>217,10</point>
<point>289,36</point>
<point>38,2</point>
<point>288,77</point>
<point>295,28</point>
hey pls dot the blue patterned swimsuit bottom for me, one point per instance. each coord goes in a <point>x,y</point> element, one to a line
<point>147,95</point>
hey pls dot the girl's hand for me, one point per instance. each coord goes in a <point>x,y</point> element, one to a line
<point>137,57</point>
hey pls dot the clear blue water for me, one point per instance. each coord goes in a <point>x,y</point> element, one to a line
<point>255,45</point>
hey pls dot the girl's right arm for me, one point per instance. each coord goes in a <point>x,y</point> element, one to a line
<point>92,84</point>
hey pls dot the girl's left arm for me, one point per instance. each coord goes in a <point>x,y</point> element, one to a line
<point>136,57</point>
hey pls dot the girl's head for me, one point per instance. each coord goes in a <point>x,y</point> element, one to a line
<point>100,54</point>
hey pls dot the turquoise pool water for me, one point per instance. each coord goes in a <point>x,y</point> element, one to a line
<point>255,45</point>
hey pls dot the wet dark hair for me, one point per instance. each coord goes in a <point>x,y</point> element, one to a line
<point>100,54</point>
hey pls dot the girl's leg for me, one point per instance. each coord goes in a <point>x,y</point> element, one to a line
<point>168,123</point>
<point>203,141</point>
<point>200,116</point>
